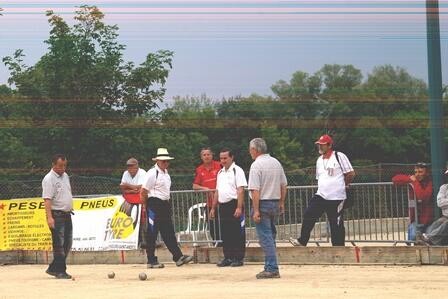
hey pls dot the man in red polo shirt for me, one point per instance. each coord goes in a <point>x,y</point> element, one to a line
<point>422,187</point>
<point>205,179</point>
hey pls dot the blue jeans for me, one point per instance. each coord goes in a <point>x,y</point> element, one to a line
<point>266,233</point>
<point>413,228</point>
<point>62,236</point>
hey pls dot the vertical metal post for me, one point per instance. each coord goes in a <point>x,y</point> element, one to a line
<point>435,96</point>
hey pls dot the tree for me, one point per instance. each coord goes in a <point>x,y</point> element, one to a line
<point>388,82</point>
<point>84,73</point>
<point>79,83</point>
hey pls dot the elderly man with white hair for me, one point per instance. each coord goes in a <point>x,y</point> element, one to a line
<point>267,187</point>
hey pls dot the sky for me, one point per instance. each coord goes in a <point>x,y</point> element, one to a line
<point>231,48</point>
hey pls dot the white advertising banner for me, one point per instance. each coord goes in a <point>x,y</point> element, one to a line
<point>105,223</point>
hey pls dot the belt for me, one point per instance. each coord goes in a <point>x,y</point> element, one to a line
<point>63,212</point>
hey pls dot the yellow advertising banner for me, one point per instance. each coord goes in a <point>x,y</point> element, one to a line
<point>23,225</point>
<point>101,223</point>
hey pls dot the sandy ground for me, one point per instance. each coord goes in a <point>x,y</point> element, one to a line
<point>208,281</point>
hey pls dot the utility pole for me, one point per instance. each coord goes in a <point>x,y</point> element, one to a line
<point>436,123</point>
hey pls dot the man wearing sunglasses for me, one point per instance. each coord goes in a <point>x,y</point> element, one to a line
<point>422,189</point>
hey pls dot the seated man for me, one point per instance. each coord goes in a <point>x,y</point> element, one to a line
<point>422,187</point>
<point>437,232</point>
<point>131,184</point>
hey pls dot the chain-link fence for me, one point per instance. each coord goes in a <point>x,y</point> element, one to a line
<point>84,185</point>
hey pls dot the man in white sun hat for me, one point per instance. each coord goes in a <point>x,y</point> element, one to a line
<point>155,196</point>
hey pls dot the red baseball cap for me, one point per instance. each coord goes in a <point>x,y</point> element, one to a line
<point>324,139</point>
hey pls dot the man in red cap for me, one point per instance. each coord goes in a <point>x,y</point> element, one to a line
<point>334,173</point>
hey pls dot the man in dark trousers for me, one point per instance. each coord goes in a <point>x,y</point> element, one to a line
<point>57,195</point>
<point>155,196</point>
<point>205,179</point>
<point>230,196</point>
<point>334,173</point>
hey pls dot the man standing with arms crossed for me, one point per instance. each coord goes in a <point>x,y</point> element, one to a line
<point>57,195</point>
<point>267,187</point>
<point>230,195</point>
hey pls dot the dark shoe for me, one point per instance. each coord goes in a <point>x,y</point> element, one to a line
<point>224,263</point>
<point>237,263</point>
<point>51,272</point>
<point>155,265</point>
<point>185,259</point>
<point>267,275</point>
<point>64,275</point>
<point>295,242</point>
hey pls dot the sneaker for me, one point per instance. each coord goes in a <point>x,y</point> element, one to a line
<point>267,275</point>
<point>224,263</point>
<point>426,239</point>
<point>155,265</point>
<point>237,263</point>
<point>185,259</point>
<point>295,242</point>
<point>423,240</point>
<point>51,272</point>
<point>63,275</point>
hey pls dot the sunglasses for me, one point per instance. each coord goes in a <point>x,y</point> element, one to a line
<point>422,165</point>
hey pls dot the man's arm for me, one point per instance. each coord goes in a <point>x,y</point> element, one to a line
<point>255,194</point>
<point>348,177</point>
<point>199,187</point>
<point>282,198</point>
<point>401,179</point>
<point>442,198</point>
<point>214,205</point>
<point>50,220</point>
<point>240,204</point>
<point>129,188</point>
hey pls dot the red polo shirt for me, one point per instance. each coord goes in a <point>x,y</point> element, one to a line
<point>423,193</point>
<point>206,177</point>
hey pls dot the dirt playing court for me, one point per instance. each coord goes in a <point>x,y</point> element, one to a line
<point>208,281</point>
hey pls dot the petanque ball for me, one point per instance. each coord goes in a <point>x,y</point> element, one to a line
<point>142,276</point>
<point>111,275</point>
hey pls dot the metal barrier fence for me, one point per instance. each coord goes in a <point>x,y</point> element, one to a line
<point>18,187</point>
<point>380,214</point>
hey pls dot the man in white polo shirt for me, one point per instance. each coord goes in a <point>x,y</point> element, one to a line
<point>230,196</point>
<point>57,195</point>
<point>155,196</point>
<point>131,184</point>
<point>334,173</point>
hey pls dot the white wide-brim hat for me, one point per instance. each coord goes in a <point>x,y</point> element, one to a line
<point>162,154</point>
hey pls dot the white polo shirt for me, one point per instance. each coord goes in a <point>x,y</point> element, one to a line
<point>228,181</point>
<point>158,183</point>
<point>330,176</point>
<point>57,188</point>
<point>138,179</point>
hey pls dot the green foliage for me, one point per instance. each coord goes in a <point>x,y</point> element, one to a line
<point>83,99</point>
